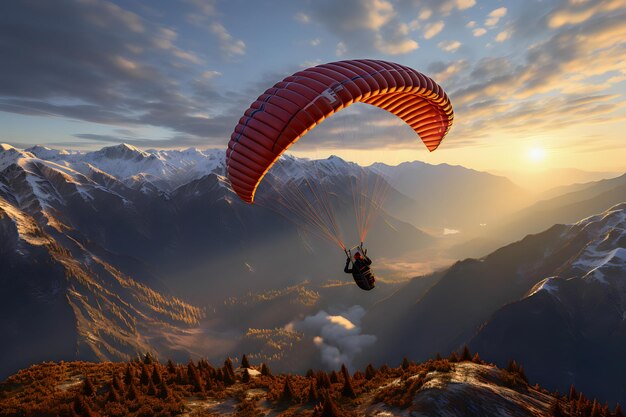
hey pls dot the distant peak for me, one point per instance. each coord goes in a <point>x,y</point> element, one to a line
<point>122,151</point>
<point>5,147</point>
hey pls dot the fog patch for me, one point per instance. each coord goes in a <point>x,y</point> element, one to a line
<point>338,337</point>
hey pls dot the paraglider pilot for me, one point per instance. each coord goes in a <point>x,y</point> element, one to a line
<point>361,271</point>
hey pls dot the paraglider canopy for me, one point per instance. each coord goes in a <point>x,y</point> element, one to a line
<point>295,105</point>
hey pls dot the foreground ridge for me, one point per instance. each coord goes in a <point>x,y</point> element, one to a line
<point>459,385</point>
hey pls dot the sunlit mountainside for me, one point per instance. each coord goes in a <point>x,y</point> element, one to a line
<point>110,253</point>
<point>461,385</point>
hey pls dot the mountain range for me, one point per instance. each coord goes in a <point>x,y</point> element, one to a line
<point>108,253</point>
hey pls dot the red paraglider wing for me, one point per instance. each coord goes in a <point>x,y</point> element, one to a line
<point>292,107</point>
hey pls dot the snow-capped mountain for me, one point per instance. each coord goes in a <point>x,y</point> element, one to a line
<point>163,170</point>
<point>555,301</point>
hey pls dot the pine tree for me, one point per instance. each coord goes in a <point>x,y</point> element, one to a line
<point>466,354</point>
<point>329,408</point>
<point>453,358</point>
<point>245,377</point>
<point>405,363</point>
<point>229,372</point>
<point>82,408</point>
<point>164,391</point>
<point>476,358</point>
<point>244,362</point>
<point>347,390</point>
<point>113,396</point>
<point>265,370</point>
<point>88,388</point>
<point>618,411</point>
<point>323,381</point>
<point>572,393</point>
<point>370,372</point>
<point>156,375</point>
<point>513,367</point>
<point>438,357</point>
<point>144,379</point>
<point>152,390</point>
<point>334,378</point>
<point>198,383</point>
<point>129,375</point>
<point>595,409</point>
<point>310,373</point>
<point>312,396</point>
<point>171,368</point>
<point>522,374</point>
<point>117,383</point>
<point>132,394</point>
<point>287,393</point>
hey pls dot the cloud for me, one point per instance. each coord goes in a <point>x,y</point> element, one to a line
<point>579,12</point>
<point>338,337</point>
<point>93,61</point>
<point>449,46</point>
<point>503,36</point>
<point>433,29</point>
<point>302,17</point>
<point>425,14</point>
<point>479,32</point>
<point>229,46</point>
<point>315,42</point>
<point>471,24</point>
<point>494,17</point>
<point>364,26</point>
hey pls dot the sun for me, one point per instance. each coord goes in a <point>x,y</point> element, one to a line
<point>537,154</point>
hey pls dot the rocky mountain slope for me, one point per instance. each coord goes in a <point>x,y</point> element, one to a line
<point>555,300</point>
<point>440,387</point>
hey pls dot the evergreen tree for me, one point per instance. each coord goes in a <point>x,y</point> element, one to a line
<point>329,408</point>
<point>171,368</point>
<point>82,408</point>
<point>595,409</point>
<point>573,395</point>
<point>323,381</point>
<point>132,394</point>
<point>466,354</point>
<point>144,379</point>
<point>310,373</point>
<point>152,390</point>
<point>405,363</point>
<point>156,375</point>
<point>245,377</point>
<point>244,362</point>
<point>618,411</point>
<point>287,394</point>
<point>117,383</point>
<point>347,390</point>
<point>370,372</point>
<point>265,370</point>
<point>129,375</point>
<point>114,395</point>
<point>88,388</point>
<point>334,378</point>
<point>453,358</point>
<point>312,396</point>
<point>476,358</point>
<point>164,391</point>
<point>198,383</point>
<point>438,357</point>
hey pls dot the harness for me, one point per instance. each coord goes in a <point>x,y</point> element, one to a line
<point>364,278</point>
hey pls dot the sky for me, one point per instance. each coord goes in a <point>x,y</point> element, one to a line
<point>535,84</point>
